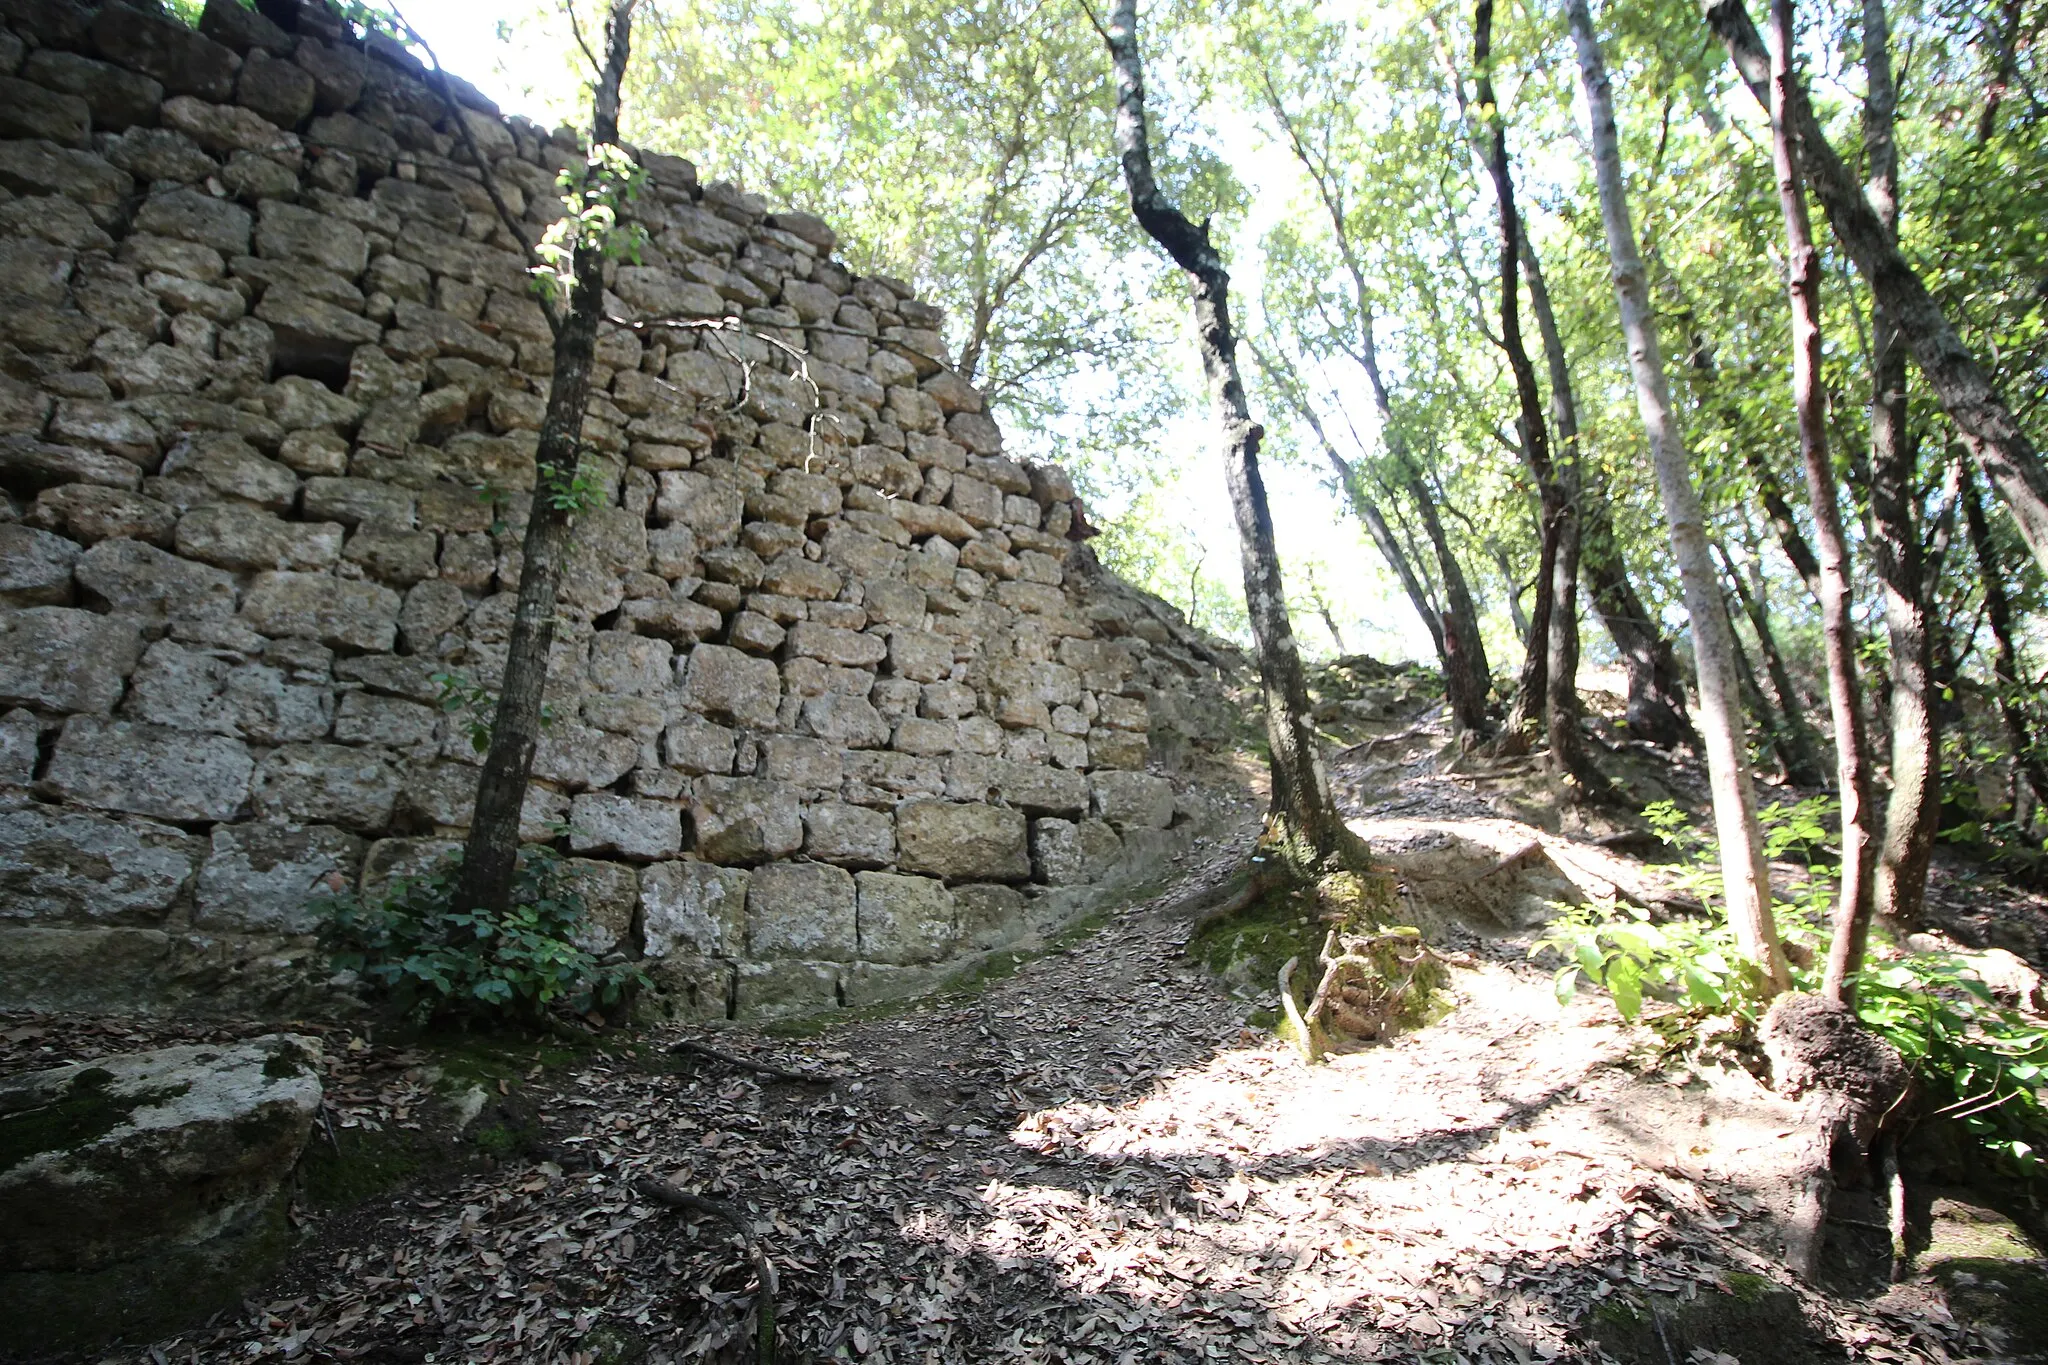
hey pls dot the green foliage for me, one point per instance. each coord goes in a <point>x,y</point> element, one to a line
<point>435,958</point>
<point>572,490</point>
<point>1981,1063</point>
<point>593,196</point>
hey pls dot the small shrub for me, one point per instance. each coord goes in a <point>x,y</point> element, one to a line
<point>434,959</point>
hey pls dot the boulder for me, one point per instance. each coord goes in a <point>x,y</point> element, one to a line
<point>149,1186</point>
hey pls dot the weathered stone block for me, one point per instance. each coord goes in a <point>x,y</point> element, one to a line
<point>964,841</point>
<point>1117,749</point>
<point>1132,800</point>
<point>849,835</point>
<point>195,217</point>
<point>693,907</point>
<point>631,827</point>
<point>630,664</point>
<point>327,783</point>
<point>803,910</point>
<point>234,535</point>
<point>263,876</point>
<point>848,721</point>
<point>190,689</point>
<point>800,762</point>
<point>364,718</point>
<point>35,567</point>
<point>990,916</point>
<point>1064,853</point>
<point>745,819</point>
<point>117,98</point>
<point>696,746</point>
<point>163,49</point>
<point>905,920</point>
<point>725,684</point>
<point>578,757</point>
<point>68,864</point>
<point>1039,790</point>
<point>150,770</point>
<point>334,611</point>
<point>777,990</point>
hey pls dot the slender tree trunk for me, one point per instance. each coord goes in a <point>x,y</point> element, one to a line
<point>2005,670</point>
<point>1516,615</point>
<point>1467,680</point>
<point>1792,739</point>
<point>491,852</point>
<point>1757,704</point>
<point>1306,828</point>
<point>1562,712</point>
<point>1964,386</point>
<point>1745,877</point>
<point>1914,808</point>
<point>1656,685</point>
<point>1845,700</point>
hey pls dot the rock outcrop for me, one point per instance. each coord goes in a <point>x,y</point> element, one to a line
<point>840,699</point>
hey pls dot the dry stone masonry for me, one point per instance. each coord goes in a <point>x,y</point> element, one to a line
<point>839,698</point>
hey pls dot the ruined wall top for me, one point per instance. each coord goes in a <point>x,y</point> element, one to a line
<point>271,374</point>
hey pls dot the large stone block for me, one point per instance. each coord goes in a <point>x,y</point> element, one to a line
<point>697,746</point>
<point>962,841</point>
<point>194,217</point>
<point>118,99</point>
<point>1038,789</point>
<point>150,770</point>
<point>335,611</point>
<point>1066,853</point>
<point>327,783</point>
<point>803,910</point>
<point>65,660</point>
<point>726,684</point>
<point>235,535</point>
<point>264,876</point>
<point>631,827</point>
<point>578,757</point>
<point>69,864</point>
<point>631,664</point>
<point>135,579</point>
<point>693,907</point>
<point>194,1142</point>
<point>848,721</point>
<point>852,836</point>
<point>190,689</point>
<point>746,819</point>
<point>990,916</point>
<point>905,920</point>
<point>685,986</point>
<point>781,989</point>
<point>166,51</point>
<point>810,763</point>
<point>1132,800</point>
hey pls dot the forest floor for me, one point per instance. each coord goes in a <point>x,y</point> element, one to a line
<point>1093,1158</point>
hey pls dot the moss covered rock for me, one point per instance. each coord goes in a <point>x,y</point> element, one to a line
<point>157,1168</point>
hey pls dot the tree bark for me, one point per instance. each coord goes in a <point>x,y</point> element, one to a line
<point>1792,739</point>
<point>1745,877</point>
<point>1656,685</point>
<point>1913,810</point>
<point>2005,670</point>
<point>1964,387</point>
<point>1304,828</point>
<point>491,853</point>
<point>1467,680</point>
<point>1561,716</point>
<point>1845,700</point>
<point>1758,705</point>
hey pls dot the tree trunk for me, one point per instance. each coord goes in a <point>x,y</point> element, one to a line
<point>1845,700</point>
<point>1467,681</point>
<point>1745,877</point>
<point>1305,829</point>
<point>491,852</point>
<point>2005,672</point>
<point>1792,739</point>
<point>1914,808</point>
<point>1561,715</point>
<point>1964,387</point>
<point>1656,686</point>
<point>1758,705</point>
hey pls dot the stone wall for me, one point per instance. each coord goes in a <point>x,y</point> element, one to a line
<point>839,699</point>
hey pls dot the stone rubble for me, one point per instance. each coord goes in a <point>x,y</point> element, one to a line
<point>841,698</point>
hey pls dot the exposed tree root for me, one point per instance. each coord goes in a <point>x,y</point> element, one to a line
<point>1371,984</point>
<point>1853,1083</point>
<point>781,1073</point>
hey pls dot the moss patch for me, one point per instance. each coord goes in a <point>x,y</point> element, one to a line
<point>362,1163</point>
<point>1757,1319</point>
<point>1247,949</point>
<point>82,1113</point>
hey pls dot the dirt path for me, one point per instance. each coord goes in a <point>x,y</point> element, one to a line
<point>1090,1161</point>
<point>1094,1160</point>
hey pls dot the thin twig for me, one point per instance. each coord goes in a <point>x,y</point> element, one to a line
<point>692,1046</point>
<point>667,1195</point>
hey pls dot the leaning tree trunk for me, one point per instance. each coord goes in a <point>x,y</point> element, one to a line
<point>1965,388</point>
<point>1745,877</point>
<point>1914,810</point>
<point>2005,670</point>
<point>491,853</point>
<point>1307,831</point>
<point>1758,704</point>
<point>1845,699</point>
<point>1467,681</point>
<point>1656,687</point>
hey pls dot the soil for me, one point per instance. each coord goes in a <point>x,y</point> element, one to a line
<point>1101,1156</point>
